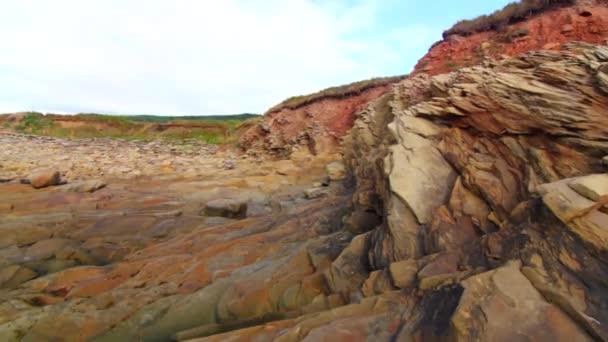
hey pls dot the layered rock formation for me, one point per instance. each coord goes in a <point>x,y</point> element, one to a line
<point>480,179</point>
<point>473,207</point>
<point>586,21</point>
<point>479,210</point>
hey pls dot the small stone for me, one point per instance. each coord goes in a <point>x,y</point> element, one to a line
<point>44,178</point>
<point>315,193</point>
<point>229,208</point>
<point>336,171</point>
<point>605,160</point>
<point>567,28</point>
<point>228,164</point>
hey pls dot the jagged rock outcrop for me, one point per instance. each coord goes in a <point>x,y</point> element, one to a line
<point>489,193</point>
<point>473,208</point>
<point>491,179</point>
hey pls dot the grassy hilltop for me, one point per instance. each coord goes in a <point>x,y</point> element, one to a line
<point>212,129</point>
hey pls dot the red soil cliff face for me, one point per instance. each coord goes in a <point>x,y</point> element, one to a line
<point>547,31</point>
<point>316,126</point>
<point>319,125</point>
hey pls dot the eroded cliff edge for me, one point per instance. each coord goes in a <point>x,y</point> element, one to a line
<point>490,181</point>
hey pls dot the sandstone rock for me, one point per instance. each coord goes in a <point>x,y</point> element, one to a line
<point>336,171</point>
<point>44,178</point>
<point>593,187</point>
<point>441,268</point>
<point>505,295</point>
<point>84,186</point>
<point>229,208</point>
<point>315,193</point>
<point>403,273</point>
<point>421,178</point>
<point>14,275</point>
<point>379,282</point>
<point>581,215</point>
<point>45,249</point>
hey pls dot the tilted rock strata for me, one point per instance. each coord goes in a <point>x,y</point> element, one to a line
<point>459,177</point>
<point>477,212</point>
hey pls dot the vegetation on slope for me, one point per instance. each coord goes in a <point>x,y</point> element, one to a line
<point>214,130</point>
<point>510,14</point>
<point>354,88</point>
<point>162,118</point>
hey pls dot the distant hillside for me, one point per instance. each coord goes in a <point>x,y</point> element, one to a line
<point>166,118</point>
<point>212,129</point>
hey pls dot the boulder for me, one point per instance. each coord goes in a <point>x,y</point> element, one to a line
<point>421,178</point>
<point>336,171</point>
<point>44,178</point>
<point>502,305</point>
<point>229,208</point>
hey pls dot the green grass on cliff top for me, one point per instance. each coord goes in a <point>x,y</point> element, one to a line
<point>207,129</point>
<point>510,14</point>
<point>336,92</point>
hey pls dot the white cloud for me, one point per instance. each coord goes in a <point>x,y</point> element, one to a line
<point>184,56</point>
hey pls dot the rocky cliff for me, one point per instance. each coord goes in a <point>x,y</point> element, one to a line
<point>474,209</point>
<point>478,212</point>
<point>490,191</point>
<point>314,123</point>
<point>582,21</point>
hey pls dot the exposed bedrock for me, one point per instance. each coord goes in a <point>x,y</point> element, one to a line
<point>472,207</point>
<point>490,180</point>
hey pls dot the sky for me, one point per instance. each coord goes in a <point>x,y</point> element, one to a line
<point>198,57</point>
